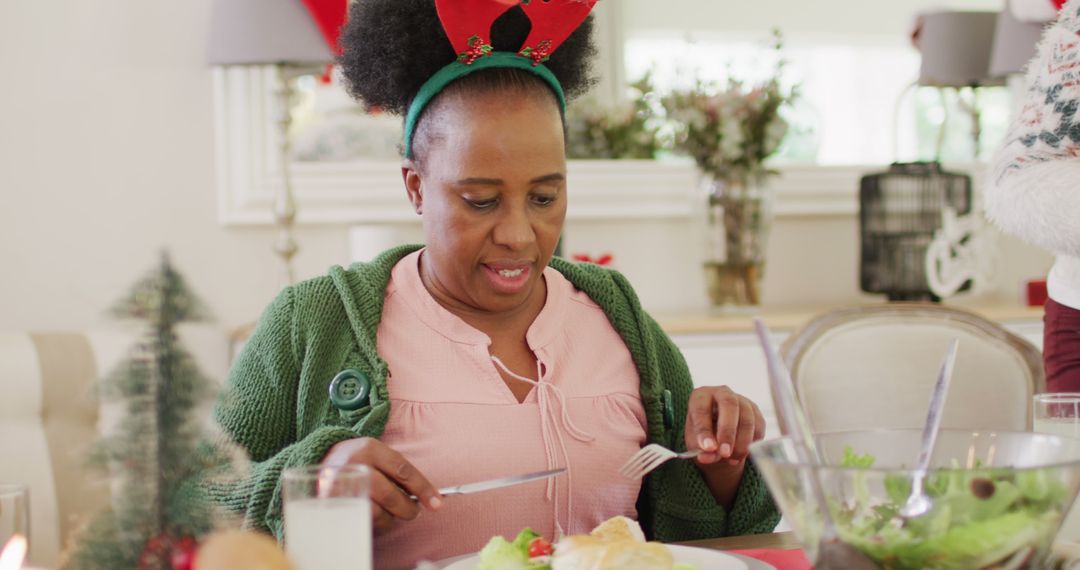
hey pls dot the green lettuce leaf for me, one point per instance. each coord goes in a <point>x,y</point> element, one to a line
<point>500,554</point>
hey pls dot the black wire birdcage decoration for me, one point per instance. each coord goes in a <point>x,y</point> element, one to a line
<point>899,211</point>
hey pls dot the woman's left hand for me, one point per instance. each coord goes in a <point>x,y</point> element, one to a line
<point>722,424</point>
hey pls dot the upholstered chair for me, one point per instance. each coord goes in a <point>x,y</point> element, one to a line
<point>874,367</point>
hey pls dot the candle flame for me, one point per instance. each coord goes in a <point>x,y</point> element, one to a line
<point>11,558</point>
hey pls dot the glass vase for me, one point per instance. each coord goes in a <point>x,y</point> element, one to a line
<point>737,228</point>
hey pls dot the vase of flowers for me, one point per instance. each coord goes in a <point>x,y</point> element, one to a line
<point>730,131</point>
<point>737,222</point>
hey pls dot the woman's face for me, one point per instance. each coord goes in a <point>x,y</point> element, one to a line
<point>492,192</point>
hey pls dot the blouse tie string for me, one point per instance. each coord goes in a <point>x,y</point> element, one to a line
<point>547,396</point>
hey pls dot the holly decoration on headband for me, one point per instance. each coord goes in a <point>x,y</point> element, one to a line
<point>477,47</point>
<point>468,22</point>
<point>539,54</point>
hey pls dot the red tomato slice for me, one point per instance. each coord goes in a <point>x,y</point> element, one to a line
<point>539,547</point>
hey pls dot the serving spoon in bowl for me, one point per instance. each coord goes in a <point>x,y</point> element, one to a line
<point>832,552</point>
<point>918,502</point>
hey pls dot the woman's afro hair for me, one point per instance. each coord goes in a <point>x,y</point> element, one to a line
<point>391,47</point>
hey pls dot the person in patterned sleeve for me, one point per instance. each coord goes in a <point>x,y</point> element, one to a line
<point>1035,189</point>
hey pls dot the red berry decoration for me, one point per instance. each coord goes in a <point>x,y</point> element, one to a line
<point>539,54</point>
<point>477,49</point>
<point>183,554</point>
<point>153,551</point>
<point>180,553</point>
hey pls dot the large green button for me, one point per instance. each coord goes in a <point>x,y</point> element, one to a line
<point>350,390</point>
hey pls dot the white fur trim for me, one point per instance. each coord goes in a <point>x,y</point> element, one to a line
<point>1033,10</point>
<point>1040,204</point>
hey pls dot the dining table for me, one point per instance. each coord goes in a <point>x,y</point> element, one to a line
<point>770,551</point>
<point>768,541</point>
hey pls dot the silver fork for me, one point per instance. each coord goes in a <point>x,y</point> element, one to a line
<point>650,457</point>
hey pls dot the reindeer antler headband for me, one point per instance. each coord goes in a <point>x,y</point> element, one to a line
<point>468,25</point>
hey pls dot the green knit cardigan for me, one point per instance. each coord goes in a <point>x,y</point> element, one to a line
<point>277,406</point>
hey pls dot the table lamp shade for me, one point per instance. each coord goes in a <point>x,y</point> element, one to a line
<point>956,49</point>
<point>1014,44</point>
<point>250,32</point>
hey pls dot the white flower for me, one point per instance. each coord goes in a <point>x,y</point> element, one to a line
<point>774,135</point>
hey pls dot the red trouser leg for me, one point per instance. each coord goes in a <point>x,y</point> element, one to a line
<point>1061,347</point>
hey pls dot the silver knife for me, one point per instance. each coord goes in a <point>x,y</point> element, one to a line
<point>497,483</point>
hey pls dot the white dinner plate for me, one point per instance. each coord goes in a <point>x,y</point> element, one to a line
<point>702,558</point>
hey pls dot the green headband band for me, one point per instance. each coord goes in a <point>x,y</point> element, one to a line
<point>457,70</point>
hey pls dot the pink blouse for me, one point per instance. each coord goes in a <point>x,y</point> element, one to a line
<point>457,421</point>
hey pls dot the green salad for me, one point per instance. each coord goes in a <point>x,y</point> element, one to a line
<point>981,518</point>
<point>528,551</point>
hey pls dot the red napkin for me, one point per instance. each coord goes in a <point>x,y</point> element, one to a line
<point>782,559</point>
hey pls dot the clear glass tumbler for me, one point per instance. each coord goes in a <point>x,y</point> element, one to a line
<point>328,517</point>
<point>1059,414</point>
<point>14,512</point>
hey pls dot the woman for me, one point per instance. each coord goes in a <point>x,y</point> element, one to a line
<point>1035,192</point>
<point>485,355</point>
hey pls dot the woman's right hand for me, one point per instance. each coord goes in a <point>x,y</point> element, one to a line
<point>392,478</point>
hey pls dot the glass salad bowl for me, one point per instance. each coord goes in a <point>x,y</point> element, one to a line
<point>998,498</point>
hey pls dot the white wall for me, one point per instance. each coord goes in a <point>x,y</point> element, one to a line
<point>811,261</point>
<point>106,157</point>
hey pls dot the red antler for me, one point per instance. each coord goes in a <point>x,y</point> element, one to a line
<point>552,22</point>
<point>330,16</point>
<point>468,24</point>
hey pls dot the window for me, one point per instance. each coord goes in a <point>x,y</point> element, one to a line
<point>856,104</point>
<point>329,126</point>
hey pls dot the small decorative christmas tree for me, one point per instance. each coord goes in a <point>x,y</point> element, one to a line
<point>158,455</point>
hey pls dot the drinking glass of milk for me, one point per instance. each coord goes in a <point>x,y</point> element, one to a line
<point>327,507</point>
<point>1059,414</point>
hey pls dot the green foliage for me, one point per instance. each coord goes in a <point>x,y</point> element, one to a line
<point>852,459</point>
<point>623,132</point>
<point>501,554</point>
<point>158,455</point>
<point>161,298</point>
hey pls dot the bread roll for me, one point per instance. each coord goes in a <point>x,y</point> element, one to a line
<point>619,528</point>
<point>627,555</point>
<point>240,550</point>
<point>617,544</point>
